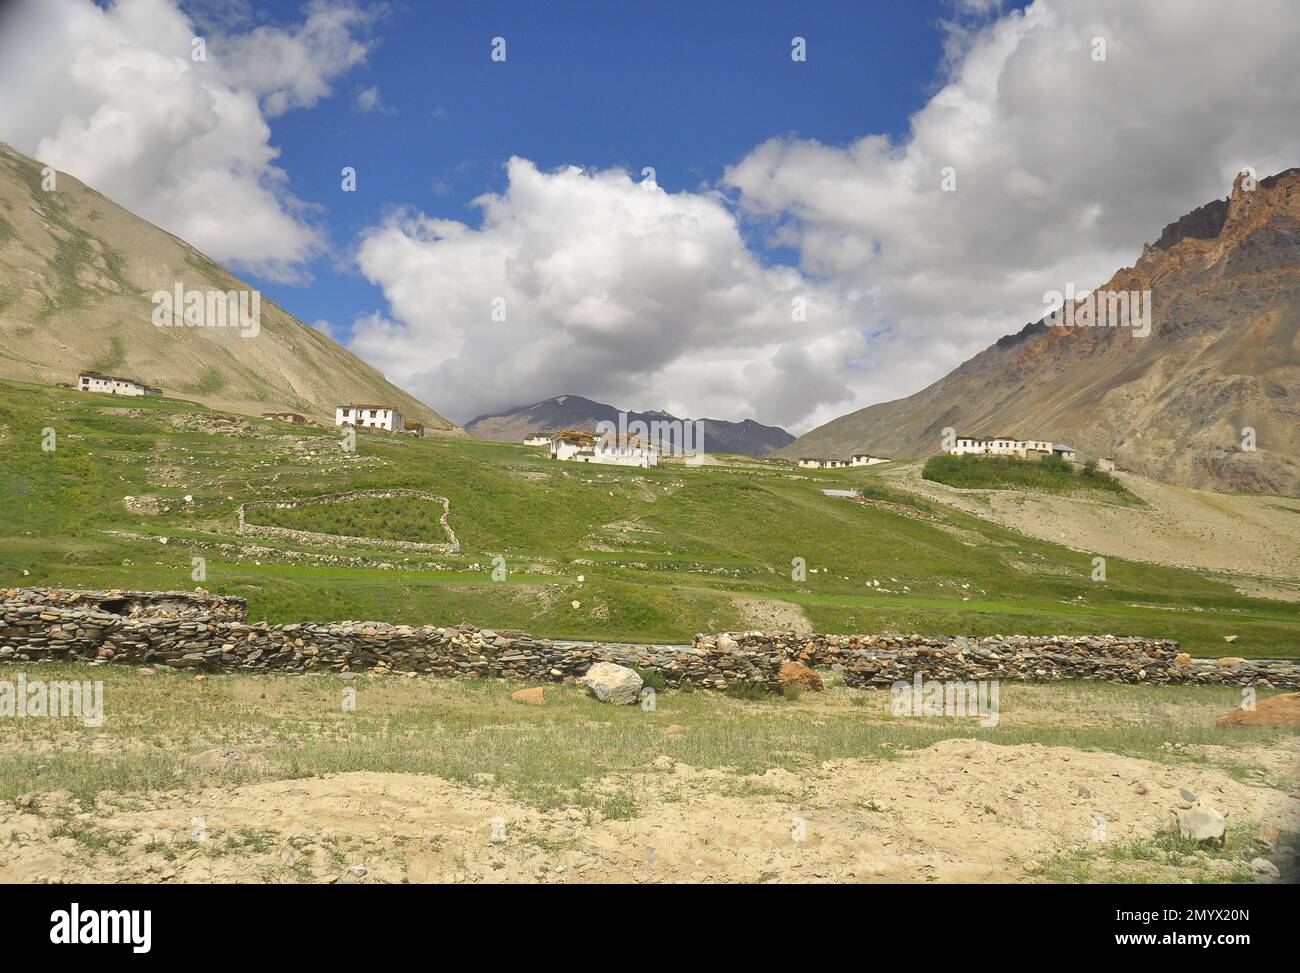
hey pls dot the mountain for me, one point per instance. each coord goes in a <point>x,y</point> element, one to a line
<point>748,438</point>
<point>77,274</point>
<point>1222,356</point>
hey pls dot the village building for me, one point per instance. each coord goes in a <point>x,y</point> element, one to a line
<point>1067,453</point>
<point>866,459</point>
<point>413,428</point>
<point>580,446</point>
<point>818,463</point>
<point>297,418</point>
<point>88,381</point>
<point>1106,464</point>
<point>537,439</point>
<point>1000,446</point>
<point>367,416</point>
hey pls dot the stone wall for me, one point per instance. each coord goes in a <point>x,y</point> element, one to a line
<point>880,660</point>
<point>451,546</point>
<point>206,633</point>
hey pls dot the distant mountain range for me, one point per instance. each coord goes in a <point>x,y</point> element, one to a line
<point>77,274</point>
<point>748,438</point>
<point>1220,366</point>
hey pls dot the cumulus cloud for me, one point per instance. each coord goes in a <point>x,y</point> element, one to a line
<point>1064,166</point>
<point>609,287</point>
<point>115,97</point>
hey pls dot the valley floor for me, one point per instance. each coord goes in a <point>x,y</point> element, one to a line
<point>1254,538</point>
<point>266,778</point>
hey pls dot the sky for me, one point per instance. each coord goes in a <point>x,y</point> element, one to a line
<point>816,234</point>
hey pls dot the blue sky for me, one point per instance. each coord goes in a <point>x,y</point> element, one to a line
<point>685,87</point>
<point>802,253</point>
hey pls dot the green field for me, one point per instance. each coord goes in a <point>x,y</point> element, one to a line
<point>1050,474</point>
<point>662,553</point>
<point>392,518</point>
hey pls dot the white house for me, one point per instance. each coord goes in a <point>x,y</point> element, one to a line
<point>537,439</point>
<point>816,463</point>
<point>1106,464</point>
<point>1000,446</point>
<point>1066,453</point>
<point>112,385</point>
<point>365,416</point>
<point>866,459</point>
<point>585,447</point>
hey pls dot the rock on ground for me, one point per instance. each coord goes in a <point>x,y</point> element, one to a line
<point>612,683</point>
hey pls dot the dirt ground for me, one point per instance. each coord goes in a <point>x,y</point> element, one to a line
<point>959,811</point>
<point>1253,536</point>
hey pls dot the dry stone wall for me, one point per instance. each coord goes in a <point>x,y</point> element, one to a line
<point>450,546</point>
<point>210,633</point>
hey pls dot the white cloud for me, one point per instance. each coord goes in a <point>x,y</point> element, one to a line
<point>1065,166</point>
<point>369,100</point>
<point>611,288</point>
<point>114,97</point>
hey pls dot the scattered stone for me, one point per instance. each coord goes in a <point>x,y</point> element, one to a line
<point>1031,868</point>
<point>1265,870</point>
<point>1084,792</point>
<point>798,674</point>
<point>1203,824</point>
<point>1268,836</point>
<point>358,870</point>
<point>664,762</point>
<point>611,683</point>
<point>1231,660</point>
<point>1280,710</point>
<point>1230,638</point>
<point>1182,659</point>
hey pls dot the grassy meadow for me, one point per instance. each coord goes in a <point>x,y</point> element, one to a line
<point>648,555</point>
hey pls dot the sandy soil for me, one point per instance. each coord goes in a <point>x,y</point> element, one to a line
<point>960,810</point>
<point>1254,536</point>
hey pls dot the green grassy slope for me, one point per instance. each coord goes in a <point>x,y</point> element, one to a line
<point>661,552</point>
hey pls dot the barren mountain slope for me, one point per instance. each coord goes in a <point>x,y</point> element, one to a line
<point>1223,354</point>
<point>76,276</point>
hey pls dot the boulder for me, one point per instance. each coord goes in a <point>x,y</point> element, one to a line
<point>1204,824</point>
<point>798,674</point>
<point>533,697</point>
<point>1280,710</point>
<point>612,683</point>
<point>1231,660</point>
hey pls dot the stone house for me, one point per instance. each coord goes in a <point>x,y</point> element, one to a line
<point>369,416</point>
<point>88,381</point>
<point>537,439</point>
<point>297,418</point>
<point>581,446</point>
<point>866,459</point>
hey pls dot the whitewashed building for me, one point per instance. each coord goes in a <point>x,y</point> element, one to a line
<point>366,416</point>
<point>1000,446</point>
<point>866,459</point>
<point>580,446</point>
<point>818,463</point>
<point>537,439</point>
<point>1067,453</point>
<point>1106,464</point>
<point>113,385</point>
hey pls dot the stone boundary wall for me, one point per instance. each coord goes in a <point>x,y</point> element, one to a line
<point>881,660</point>
<point>452,546</point>
<point>197,604</point>
<point>38,628</point>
